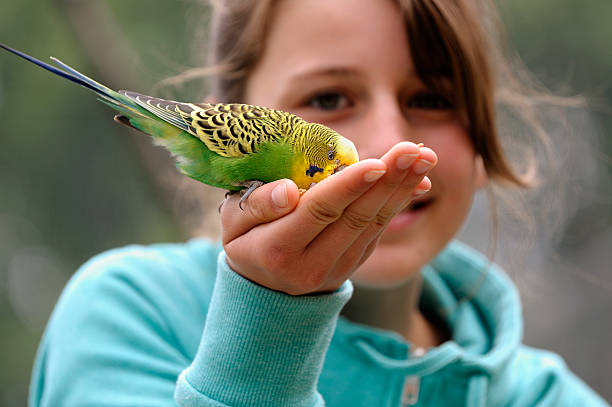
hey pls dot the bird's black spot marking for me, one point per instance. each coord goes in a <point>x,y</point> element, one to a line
<point>235,132</point>
<point>312,170</point>
<point>204,124</point>
<point>241,148</point>
<point>252,114</point>
<point>218,120</point>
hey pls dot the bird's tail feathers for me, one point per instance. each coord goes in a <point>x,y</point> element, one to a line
<point>106,94</point>
<point>122,107</point>
<point>84,80</point>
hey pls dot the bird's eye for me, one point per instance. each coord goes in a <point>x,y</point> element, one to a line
<point>330,100</point>
<point>429,100</point>
<point>331,154</point>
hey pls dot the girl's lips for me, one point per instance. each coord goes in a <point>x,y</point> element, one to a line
<point>410,214</point>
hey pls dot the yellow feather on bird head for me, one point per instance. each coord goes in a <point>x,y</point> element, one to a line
<point>323,152</point>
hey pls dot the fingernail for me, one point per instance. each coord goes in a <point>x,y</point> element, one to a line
<point>373,175</point>
<point>279,195</point>
<point>420,191</point>
<point>405,160</point>
<point>421,166</point>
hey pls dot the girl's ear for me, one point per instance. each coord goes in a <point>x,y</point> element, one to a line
<point>482,179</point>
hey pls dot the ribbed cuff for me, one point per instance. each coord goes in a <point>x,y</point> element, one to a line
<point>260,347</point>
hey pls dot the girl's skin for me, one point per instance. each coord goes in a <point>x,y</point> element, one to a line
<point>353,72</point>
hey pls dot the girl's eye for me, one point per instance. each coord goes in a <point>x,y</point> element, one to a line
<point>328,101</point>
<point>433,101</point>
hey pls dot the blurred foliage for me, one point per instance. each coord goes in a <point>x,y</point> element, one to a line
<point>72,184</point>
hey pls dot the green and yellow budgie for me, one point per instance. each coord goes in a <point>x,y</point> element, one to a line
<point>231,146</point>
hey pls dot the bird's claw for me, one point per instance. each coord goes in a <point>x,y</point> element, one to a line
<point>227,194</point>
<point>252,186</point>
<point>244,193</point>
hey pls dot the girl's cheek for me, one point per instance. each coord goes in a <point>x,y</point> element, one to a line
<point>450,140</point>
<point>456,156</point>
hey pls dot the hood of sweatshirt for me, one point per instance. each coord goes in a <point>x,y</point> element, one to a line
<point>481,308</point>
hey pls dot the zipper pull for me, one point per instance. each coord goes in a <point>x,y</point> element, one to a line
<point>410,394</point>
<point>412,384</point>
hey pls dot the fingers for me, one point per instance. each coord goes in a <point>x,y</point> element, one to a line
<point>306,244</point>
<point>364,218</point>
<point>325,202</point>
<point>415,184</point>
<point>265,204</point>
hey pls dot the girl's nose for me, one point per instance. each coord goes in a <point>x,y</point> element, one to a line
<point>384,126</point>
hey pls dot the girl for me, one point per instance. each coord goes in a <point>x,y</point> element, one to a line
<point>427,321</point>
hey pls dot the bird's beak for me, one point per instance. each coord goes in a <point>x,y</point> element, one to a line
<point>338,167</point>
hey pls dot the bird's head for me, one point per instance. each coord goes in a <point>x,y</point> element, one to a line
<point>324,152</point>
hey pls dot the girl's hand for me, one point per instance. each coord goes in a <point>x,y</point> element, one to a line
<point>314,243</point>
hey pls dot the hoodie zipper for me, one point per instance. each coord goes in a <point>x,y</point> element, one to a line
<point>410,394</point>
<point>412,384</point>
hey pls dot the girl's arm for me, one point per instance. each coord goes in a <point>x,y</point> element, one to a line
<point>260,347</point>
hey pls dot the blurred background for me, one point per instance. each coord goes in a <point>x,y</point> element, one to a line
<point>74,183</point>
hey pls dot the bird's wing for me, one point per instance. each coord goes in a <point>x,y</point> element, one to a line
<point>230,130</point>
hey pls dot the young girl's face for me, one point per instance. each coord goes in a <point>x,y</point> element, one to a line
<point>346,64</point>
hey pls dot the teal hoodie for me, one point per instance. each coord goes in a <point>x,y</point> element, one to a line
<point>165,324</point>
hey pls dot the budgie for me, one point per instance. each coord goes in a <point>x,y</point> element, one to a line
<point>237,147</point>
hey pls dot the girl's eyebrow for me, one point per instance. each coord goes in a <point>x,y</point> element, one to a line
<point>332,71</point>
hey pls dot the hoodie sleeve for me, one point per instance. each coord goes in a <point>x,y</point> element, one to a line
<point>260,347</point>
<point>132,319</point>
